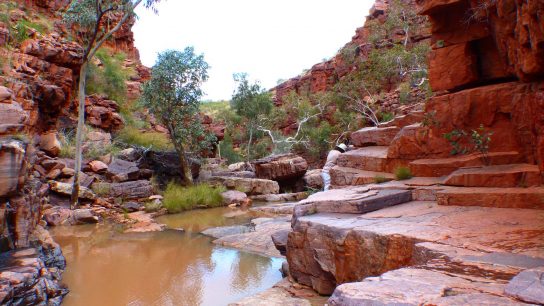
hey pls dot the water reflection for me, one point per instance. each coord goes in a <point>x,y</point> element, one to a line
<point>106,267</point>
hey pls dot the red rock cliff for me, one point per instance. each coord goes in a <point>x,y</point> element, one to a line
<point>487,66</point>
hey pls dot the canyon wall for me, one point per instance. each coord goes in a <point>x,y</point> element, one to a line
<point>487,69</point>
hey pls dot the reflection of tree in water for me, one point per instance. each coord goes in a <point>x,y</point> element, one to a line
<point>248,270</point>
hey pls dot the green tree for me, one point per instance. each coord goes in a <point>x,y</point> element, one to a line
<point>95,21</point>
<point>173,95</point>
<point>253,103</point>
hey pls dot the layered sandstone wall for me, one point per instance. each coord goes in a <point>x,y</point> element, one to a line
<point>487,68</point>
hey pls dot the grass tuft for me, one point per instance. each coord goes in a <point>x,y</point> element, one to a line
<point>154,140</point>
<point>403,173</point>
<point>378,179</point>
<point>178,198</point>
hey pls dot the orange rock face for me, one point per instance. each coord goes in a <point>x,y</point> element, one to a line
<point>486,66</point>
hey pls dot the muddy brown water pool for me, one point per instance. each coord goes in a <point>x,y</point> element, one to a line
<point>108,267</point>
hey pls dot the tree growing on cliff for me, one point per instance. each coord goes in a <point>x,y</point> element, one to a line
<point>173,95</point>
<point>253,103</point>
<point>94,21</point>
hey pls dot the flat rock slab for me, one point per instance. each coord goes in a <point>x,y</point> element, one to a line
<point>282,197</point>
<point>223,231</point>
<point>444,166</point>
<point>374,136</point>
<point>510,175</point>
<point>343,176</point>
<point>144,223</point>
<point>528,286</point>
<point>354,200</point>
<point>419,287</point>
<point>276,209</point>
<point>260,240</point>
<point>529,198</point>
<point>328,249</point>
<point>278,295</point>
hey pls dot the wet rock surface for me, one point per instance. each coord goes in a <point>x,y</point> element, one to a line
<point>258,239</point>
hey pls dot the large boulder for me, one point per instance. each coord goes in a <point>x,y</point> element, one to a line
<point>280,167</point>
<point>50,143</point>
<point>313,179</point>
<point>235,197</point>
<point>249,186</point>
<point>121,171</point>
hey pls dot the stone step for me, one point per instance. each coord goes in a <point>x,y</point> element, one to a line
<point>343,176</point>
<point>511,175</point>
<point>412,286</point>
<point>370,159</point>
<point>374,136</point>
<point>325,250</point>
<point>444,166</point>
<point>528,198</point>
<point>351,200</point>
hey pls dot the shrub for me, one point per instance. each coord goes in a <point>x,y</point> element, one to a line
<point>385,117</point>
<point>152,206</point>
<point>404,93</point>
<point>109,78</point>
<point>68,144</point>
<point>378,179</point>
<point>178,198</point>
<point>227,151</point>
<point>155,140</point>
<point>403,173</point>
<point>481,139</point>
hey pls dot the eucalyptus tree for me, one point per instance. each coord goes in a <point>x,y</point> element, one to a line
<point>173,95</point>
<point>253,103</point>
<point>94,22</point>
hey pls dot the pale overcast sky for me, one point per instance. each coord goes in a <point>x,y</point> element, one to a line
<point>269,40</point>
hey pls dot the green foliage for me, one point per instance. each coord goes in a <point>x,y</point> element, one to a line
<point>153,140</point>
<point>178,198</point>
<point>481,139</point>
<point>173,95</point>
<point>214,108</point>
<point>378,179</point>
<point>152,206</point>
<point>252,103</point>
<point>403,173</point>
<point>429,119</point>
<point>84,15</point>
<point>226,148</point>
<point>385,116</point>
<point>68,145</point>
<point>455,138</point>
<point>404,93</point>
<point>109,78</point>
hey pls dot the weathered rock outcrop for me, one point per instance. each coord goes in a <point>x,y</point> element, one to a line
<point>488,71</point>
